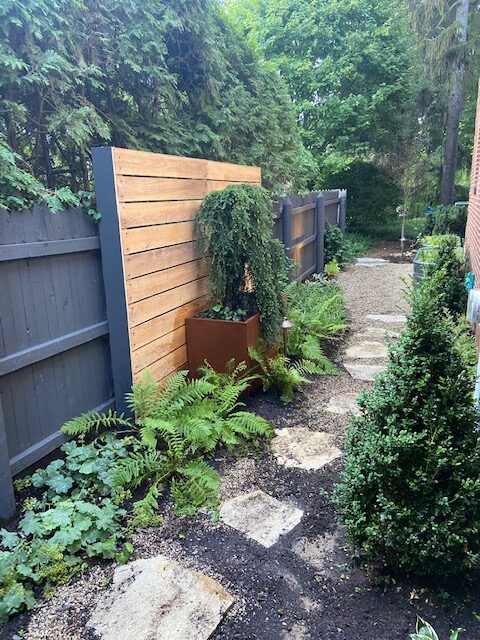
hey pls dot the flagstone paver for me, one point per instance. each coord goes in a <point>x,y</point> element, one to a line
<point>260,516</point>
<point>371,262</point>
<point>377,333</point>
<point>366,372</point>
<point>304,449</point>
<point>343,403</point>
<point>380,317</point>
<point>366,350</point>
<point>159,599</point>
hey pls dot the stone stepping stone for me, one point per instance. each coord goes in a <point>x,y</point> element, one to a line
<point>367,350</point>
<point>159,599</point>
<point>377,333</point>
<point>260,516</point>
<point>380,317</point>
<point>343,403</point>
<point>366,372</point>
<point>370,262</point>
<point>304,449</point>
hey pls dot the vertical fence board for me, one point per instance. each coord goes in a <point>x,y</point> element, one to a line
<point>53,365</point>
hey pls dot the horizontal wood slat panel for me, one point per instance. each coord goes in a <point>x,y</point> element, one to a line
<point>156,327</point>
<point>156,305</point>
<point>140,189</point>
<point>157,165</point>
<point>160,281</point>
<point>141,214</point>
<point>162,235</point>
<point>143,163</point>
<point>233,172</point>
<point>140,264</point>
<point>155,350</point>
<point>175,360</point>
<point>166,280</point>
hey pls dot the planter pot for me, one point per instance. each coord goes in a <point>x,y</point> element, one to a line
<point>330,276</point>
<point>218,341</point>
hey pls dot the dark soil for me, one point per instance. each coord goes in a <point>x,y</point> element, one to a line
<point>392,251</point>
<point>307,586</point>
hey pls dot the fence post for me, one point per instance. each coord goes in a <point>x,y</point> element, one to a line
<point>320,231</point>
<point>113,276</point>
<point>7,496</point>
<point>342,219</point>
<point>287,225</point>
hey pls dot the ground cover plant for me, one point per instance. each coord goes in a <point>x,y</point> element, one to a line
<point>85,504</point>
<point>409,494</point>
<point>248,266</point>
<point>344,248</point>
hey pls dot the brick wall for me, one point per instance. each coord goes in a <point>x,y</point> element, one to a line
<point>473,220</point>
<point>472,241</point>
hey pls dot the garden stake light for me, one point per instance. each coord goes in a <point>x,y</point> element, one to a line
<point>286,325</point>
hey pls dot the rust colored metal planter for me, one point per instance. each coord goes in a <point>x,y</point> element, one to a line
<point>218,341</point>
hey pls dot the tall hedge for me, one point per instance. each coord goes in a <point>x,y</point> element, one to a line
<point>169,76</point>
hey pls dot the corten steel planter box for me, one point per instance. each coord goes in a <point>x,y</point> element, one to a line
<point>218,341</point>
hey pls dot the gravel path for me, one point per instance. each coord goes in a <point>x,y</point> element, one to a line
<point>305,587</point>
<point>374,290</point>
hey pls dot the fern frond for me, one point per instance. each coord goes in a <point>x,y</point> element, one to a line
<point>94,421</point>
<point>151,428</point>
<point>196,486</point>
<point>251,423</point>
<point>200,434</point>
<point>145,510</point>
<point>143,397</point>
<point>138,467</point>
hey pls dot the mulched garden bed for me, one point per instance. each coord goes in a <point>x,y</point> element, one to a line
<point>307,586</point>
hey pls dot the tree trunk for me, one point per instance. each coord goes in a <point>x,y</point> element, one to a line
<point>455,106</point>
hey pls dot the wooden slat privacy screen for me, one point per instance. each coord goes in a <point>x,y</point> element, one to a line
<point>155,279</point>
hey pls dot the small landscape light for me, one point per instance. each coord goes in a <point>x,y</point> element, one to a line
<point>286,325</point>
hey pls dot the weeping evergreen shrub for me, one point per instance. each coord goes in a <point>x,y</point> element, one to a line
<point>234,227</point>
<point>410,491</point>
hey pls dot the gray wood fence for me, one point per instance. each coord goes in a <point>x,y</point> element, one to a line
<point>54,350</point>
<point>300,223</point>
<point>55,359</point>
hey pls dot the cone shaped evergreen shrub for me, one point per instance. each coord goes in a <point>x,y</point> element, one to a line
<point>410,491</point>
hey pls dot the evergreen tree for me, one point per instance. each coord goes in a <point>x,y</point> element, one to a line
<point>410,491</point>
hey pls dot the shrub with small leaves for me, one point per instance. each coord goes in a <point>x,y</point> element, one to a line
<point>410,491</point>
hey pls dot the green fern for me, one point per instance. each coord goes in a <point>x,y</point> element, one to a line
<point>141,466</point>
<point>94,421</point>
<point>196,486</point>
<point>145,510</point>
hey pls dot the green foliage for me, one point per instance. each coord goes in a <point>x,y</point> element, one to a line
<point>317,310</point>
<point>282,373</point>
<point>93,421</point>
<point>76,516</point>
<point>235,230</point>
<point>372,193</point>
<point>332,268</point>
<point>77,513</point>
<point>170,76</point>
<point>225,313</point>
<point>425,631</point>
<point>347,63</point>
<point>344,248</point>
<point>333,242</point>
<point>449,219</point>
<point>448,266</point>
<point>409,494</point>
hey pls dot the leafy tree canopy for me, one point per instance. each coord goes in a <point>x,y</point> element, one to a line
<point>170,76</point>
<point>348,65</point>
